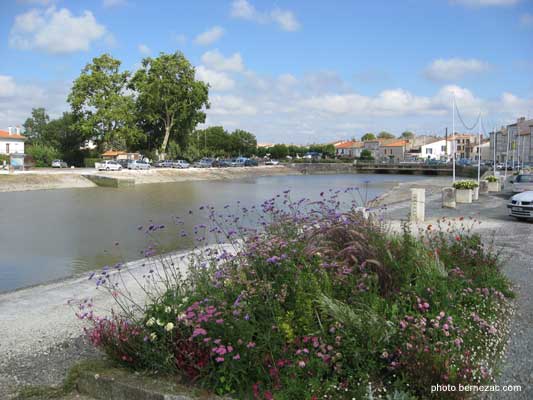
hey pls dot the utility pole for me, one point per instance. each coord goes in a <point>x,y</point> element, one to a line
<point>453,138</point>
<point>479,151</point>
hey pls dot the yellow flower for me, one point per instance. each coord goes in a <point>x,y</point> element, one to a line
<point>169,326</point>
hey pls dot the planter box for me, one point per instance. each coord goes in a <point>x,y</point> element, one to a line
<point>463,196</point>
<point>475,193</point>
<point>494,186</point>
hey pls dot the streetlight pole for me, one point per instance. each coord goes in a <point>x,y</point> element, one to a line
<point>453,137</point>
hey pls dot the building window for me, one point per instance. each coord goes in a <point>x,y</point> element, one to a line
<point>7,148</point>
<point>429,151</point>
<point>442,148</point>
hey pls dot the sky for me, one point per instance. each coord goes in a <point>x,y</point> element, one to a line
<point>288,71</point>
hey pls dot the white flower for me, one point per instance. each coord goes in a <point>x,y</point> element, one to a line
<point>159,322</point>
<point>168,309</point>
<point>169,326</point>
<point>150,322</point>
<point>153,336</point>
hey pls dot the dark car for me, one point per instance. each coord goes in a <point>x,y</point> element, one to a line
<point>123,163</point>
<point>221,163</point>
<point>251,163</point>
<point>204,163</point>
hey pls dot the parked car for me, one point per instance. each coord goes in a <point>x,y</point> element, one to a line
<point>59,164</point>
<point>221,163</point>
<point>138,164</point>
<point>251,163</point>
<point>123,163</point>
<point>108,165</point>
<point>180,164</point>
<point>271,162</point>
<point>204,163</point>
<point>523,183</point>
<point>521,205</point>
<point>238,162</point>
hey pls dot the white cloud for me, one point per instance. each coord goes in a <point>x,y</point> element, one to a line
<point>55,31</point>
<point>454,68</point>
<point>217,80</point>
<point>526,19</point>
<point>485,3</point>
<point>231,105</point>
<point>17,99</point>
<point>285,19</point>
<point>144,50</point>
<point>113,3</point>
<point>210,36</point>
<point>216,60</point>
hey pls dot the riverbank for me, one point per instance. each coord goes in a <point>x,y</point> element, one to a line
<point>47,178</point>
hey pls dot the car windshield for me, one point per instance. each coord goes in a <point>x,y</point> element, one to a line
<point>525,178</point>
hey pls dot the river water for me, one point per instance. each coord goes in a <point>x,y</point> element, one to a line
<point>52,234</point>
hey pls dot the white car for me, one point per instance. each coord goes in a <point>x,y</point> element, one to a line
<point>138,164</point>
<point>523,183</point>
<point>520,205</point>
<point>180,164</point>
<point>59,164</point>
<point>108,165</point>
<point>271,162</point>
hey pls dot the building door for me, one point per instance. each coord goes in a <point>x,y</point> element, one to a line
<point>7,148</point>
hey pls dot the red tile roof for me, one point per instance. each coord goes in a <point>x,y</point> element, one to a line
<point>349,145</point>
<point>6,135</point>
<point>396,143</point>
<point>112,153</point>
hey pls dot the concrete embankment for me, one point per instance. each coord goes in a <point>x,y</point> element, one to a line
<point>84,177</point>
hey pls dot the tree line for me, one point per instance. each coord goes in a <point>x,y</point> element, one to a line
<point>154,110</point>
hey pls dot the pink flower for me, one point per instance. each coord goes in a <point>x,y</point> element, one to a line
<point>445,327</point>
<point>301,364</point>
<point>219,359</point>
<point>199,332</point>
<point>219,321</point>
<point>237,357</point>
<point>250,345</point>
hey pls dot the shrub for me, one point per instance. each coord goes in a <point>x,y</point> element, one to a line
<point>42,154</point>
<point>89,162</point>
<point>465,185</point>
<point>491,178</point>
<point>317,303</point>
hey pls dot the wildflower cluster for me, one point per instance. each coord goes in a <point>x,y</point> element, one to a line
<point>311,299</point>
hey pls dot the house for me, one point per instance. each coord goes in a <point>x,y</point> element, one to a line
<point>11,141</point>
<point>483,149</point>
<point>438,149</point>
<point>120,155</point>
<point>513,142</point>
<point>393,150</point>
<point>349,149</point>
<point>464,145</point>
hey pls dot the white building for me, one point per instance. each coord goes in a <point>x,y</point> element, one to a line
<point>11,141</point>
<point>436,150</point>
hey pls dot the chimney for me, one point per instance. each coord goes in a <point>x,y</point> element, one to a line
<point>18,129</point>
<point>10,130</point>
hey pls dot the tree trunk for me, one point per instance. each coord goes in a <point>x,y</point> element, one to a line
<point>165,141</point>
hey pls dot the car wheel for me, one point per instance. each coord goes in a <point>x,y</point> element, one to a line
<point>107,169</point>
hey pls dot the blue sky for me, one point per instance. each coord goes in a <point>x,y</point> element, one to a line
<point>289,71</point>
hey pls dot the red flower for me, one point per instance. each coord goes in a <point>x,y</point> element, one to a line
<point>458,238</point>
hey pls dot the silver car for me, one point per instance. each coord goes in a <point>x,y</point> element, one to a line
<point>521,205</point>
<point>108,165</point>
<point>138,164</point>
<point>523,183</point>
<point>180,164</point>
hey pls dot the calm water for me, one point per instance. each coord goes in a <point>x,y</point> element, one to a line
<point>52,234</point>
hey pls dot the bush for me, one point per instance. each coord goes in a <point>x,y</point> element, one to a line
<point>42,154</point>
<point>318,303</point>
<point>89,162</point>
<point>491,178</point>
<point>465,185</point>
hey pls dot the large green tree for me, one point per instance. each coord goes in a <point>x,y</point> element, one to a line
<point>35,126</point>
<point>368,136</point>
<point>102,105</point>
<point>243,143</point>
<point>385,135</point>
<point>169,96</point>
<point>407,135</point>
